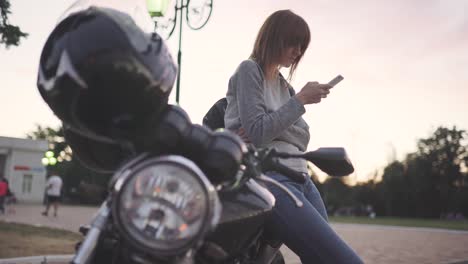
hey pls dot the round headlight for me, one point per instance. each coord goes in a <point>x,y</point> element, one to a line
<point>164,204</point>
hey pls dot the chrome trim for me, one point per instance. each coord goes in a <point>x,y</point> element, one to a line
<point>282,187</point>
<point>214,206</point>
<point>261,191</point>
<point>86,250</point>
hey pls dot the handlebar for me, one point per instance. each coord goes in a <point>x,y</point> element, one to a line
<point>274,165</point>
<point>334,161</point>
<point>263,160</point>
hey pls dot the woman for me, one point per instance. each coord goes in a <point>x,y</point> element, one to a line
<point>264,110</point>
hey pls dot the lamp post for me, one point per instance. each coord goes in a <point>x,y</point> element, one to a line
<point>197,14</point>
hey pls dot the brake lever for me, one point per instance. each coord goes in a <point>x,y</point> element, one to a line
<point>264,178</point>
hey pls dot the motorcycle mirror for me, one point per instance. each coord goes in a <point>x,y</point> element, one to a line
<point>332,161</point>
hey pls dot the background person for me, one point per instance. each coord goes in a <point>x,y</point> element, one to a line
<point>53,191</point>
<point>3,193</point>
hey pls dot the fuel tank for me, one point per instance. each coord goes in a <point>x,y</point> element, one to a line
<point>244,213</point>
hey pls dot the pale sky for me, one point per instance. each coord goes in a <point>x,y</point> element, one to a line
<point>405,64</point>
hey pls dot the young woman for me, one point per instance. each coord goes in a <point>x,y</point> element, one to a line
<point>263,109</point>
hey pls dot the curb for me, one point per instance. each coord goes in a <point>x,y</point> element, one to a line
<point>410,228</point>
<point>51,259</point>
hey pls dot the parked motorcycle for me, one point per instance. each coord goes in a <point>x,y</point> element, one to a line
<point>180,192</point>
<point>203,200</point>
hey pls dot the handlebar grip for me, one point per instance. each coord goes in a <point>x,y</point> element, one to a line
<point>288,172</point>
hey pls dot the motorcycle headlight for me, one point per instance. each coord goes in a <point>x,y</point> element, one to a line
<point>165,204</point>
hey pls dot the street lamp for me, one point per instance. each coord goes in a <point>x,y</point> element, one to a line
<point>197,14</point>
<point>49,158</point>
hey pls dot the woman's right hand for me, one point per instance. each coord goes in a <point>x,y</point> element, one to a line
<point>241,133</point>
<point>313,92</point>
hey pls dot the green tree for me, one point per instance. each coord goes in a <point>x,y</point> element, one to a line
<point>56,139</point>
<point>395,189</point>
<point>77,178</point>
<point>366,194</point>
<point>430,182</point>
<point>10,35</point>
<point>336,194</point>
<point>447,155</point>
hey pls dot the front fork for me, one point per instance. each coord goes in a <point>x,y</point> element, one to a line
<point>88,246</point>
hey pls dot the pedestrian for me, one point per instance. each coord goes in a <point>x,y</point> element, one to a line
<point>264,110</point>
<point>53,191</point>
<point>3,193</point>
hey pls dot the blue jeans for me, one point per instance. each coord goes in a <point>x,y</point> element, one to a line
<point>305,230</point>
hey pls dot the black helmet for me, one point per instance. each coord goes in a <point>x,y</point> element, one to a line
<point>104,76</point>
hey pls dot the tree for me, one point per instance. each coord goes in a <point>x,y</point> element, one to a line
<point>365,194</point>
<point>336,194</point>
<point>10,34</point>
<point>395,189</point>
<point>430,182</point>
<point>56,139</point>
<point>75,175</point>
<point>447,155</point>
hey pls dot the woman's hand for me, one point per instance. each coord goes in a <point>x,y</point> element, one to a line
<point>313,92</point>
<point>241,133</point>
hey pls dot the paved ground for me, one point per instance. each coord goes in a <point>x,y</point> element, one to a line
<point>375,244</point>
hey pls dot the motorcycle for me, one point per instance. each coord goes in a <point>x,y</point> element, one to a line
<point>201,198</point>
<point>180,192</point>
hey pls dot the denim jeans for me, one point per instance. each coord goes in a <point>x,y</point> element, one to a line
<point>305,230</point>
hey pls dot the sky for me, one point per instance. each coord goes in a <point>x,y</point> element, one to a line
<point>404,62</point>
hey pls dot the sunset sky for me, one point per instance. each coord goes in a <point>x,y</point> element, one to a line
<point>405,64</point>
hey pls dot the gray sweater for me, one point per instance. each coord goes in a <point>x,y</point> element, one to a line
<point>270,116</point>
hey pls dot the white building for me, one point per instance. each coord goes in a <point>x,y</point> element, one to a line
<point>20,164</point>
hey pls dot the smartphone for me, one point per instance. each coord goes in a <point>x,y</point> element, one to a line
<point>336,80</point>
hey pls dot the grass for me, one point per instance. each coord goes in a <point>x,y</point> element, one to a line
<point>410,222</point>
<point>19,240</point>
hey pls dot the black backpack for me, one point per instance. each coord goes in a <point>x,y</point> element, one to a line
<point>214,118</point>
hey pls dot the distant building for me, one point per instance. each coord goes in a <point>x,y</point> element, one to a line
<point>20,164</point>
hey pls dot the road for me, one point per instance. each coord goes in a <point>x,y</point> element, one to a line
<point>375,244</point>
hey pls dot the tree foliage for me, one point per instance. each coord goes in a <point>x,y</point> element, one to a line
<point>10,35</point>
<point>336,194</point>
<point>431,182</point>
<point>80,183</point>
<point>56,140</point>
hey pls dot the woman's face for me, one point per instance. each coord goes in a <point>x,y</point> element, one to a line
<point>289,56</point>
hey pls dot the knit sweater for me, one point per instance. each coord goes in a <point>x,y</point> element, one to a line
<point>269,114</point>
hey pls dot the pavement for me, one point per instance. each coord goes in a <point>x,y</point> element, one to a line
<point>373,243</point>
